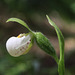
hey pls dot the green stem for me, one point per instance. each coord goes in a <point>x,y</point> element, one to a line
<point>61,66</point>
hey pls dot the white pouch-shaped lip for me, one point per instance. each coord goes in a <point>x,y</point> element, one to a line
<point>17,46</point>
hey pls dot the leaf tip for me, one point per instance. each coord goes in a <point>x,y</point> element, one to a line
<point>7,21</point>
<point>47,16</point>
<point>10,19</point>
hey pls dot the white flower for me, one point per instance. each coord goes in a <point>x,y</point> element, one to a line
<point>17,46</point>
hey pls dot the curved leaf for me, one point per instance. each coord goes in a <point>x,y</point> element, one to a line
<point>61,66</point>
<point>19,21</point>
<point>60,36</point>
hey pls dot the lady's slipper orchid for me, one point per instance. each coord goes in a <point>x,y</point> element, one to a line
<point>19,45</point>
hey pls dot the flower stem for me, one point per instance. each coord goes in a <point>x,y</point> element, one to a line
<point>61,66</point>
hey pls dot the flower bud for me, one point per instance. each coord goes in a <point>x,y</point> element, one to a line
<point>44,44</point>
<point>17,46</point>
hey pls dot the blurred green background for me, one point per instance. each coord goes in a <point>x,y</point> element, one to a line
<point>33,12</point>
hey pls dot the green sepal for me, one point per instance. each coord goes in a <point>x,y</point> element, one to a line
<point>19,21</point>
<point>45,45</point>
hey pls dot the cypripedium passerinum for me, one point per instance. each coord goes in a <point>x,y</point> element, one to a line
<point>21,44</point>
<point>15,45</point>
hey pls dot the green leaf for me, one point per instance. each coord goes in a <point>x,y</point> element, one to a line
<point>43,42</point>
<point>60,36</point>
<point>61,66</point>
<point>19,21</point>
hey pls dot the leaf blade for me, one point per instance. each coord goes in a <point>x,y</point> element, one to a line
<point>60,36</point>
<point>19,21</point>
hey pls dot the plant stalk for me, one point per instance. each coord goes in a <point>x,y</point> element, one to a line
<point>61,66</point>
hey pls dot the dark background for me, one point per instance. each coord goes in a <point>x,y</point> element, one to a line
<point>33,12</point>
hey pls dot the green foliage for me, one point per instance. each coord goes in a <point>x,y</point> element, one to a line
<point>60,37</point>
<point>61,67</point>
<point>44,44</point>
<point>18,21</point>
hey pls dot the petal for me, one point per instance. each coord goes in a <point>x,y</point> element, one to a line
<point>18,46</point>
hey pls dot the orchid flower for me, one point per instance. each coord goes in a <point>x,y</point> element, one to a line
<point>19,45</point>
